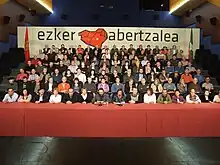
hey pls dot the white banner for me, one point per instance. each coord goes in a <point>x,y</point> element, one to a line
<point>100,36</point>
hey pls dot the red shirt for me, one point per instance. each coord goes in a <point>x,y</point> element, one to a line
<point>21,76</point>
<point>34,61</point>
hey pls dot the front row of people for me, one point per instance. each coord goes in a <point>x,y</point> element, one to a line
<point>103,98</point>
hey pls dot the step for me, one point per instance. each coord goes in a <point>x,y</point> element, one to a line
<point>213,80</point>
<point>205,72</point>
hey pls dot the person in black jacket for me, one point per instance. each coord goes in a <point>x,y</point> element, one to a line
<point>41,97</point>
<point>71,97</point>
<point>134,97</point>
<point>205,98</point>
<point>85,97</point>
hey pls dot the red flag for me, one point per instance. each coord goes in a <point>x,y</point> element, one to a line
<point>26,46</point>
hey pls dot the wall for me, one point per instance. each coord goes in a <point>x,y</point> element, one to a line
<point>210,37</point>
<point>80,13</point>
<point>8,32</point>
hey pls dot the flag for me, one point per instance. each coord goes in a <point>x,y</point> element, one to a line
<point>26,46</point>
<point>191,46</point>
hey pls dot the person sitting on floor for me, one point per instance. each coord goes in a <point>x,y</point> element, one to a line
<point>10,97</point>
<point>85,97</point>
<point>41,97</point>
<point>164,98</point>
<point>101,98</point>
<point>70,97</point>
<point>55,97</point>
<point>150,97</point>
<point>193,98</point>
<point>134,97</point>
<point>217,98</point>
<point>205,98</point>
<point>25,97</point>
<point>177,98</point>
<point>119,98</point>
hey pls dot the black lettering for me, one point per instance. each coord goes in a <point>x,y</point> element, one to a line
<point>147,36</point>
<point>167,37</point>
<point>57,35</point>
<point>111,37</point>
<point>66,36</point>
<point>72,34</point>
<point>161,35</point>
<point>41,34</point>
<point>175,37</point>
<point>118,36</point>
<point>50,34</point>
<point>129,36</point>
<point>141,39</point>
<point>135,36</point>
<point>156,37</point>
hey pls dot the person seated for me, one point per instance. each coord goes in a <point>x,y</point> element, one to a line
<point>44,76</point>
<point>103,85</point>
<point>179,68</point>
<point>157,86</point>
<point>199,77</point>
<point>207,85</point>
<point>77,85</point>
<point>134,97</point>
<point>164,98</point>
<point>90,86</point>
<point>191,68</point>
<point>41,97</point>
<point>29,67</point>
<point>176,77</point>
<point>177,98</point>
<point>217,98</point>
<point>115,67</point>
<point>55,97</point>
<point>158,68</point>
<point>170,86</point>
<point>163,76</point>
<point>34,61</point>
<point>193,98</point>
<point>50,85</point>
<point>39,67</point>
<point>12,84</point>
<point>25,97</point>
<point>195,85</point>
<point>70,97</point>
<point>187,77</point>
<point>116,86</point>
<point>85,97</point>
<point>57,76</point>
<point>35,86</point>
<point>128,76</point>
<point>142,86</point>
<point>140,75</point>
<point>174,61</point>
<point>63,87</point>
<point>169,68</point>
<point>81,76</point>
<point>150,97</point>
<point>206,98</point>
<point>10,97</point>
<point>119,98</point>
<point>182,87</point>
<point>113,76</point>
<point>33,76</point>
<point>101,98</point>
<point>21,75</point>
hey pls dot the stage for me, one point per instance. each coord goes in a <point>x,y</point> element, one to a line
<point>87,120</point>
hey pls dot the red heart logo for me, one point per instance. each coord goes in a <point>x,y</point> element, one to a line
<point>94,38</point>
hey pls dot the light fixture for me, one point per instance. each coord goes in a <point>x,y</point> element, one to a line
<point>178,6</point>
<point>45,5</point>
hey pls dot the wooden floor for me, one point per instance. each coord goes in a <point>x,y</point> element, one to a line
<point>84,151</point>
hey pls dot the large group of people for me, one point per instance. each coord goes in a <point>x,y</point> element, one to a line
<point>110,75</point>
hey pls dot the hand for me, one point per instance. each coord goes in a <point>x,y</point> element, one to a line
<point>37,102</point>
<point>6,101</point>
<point>52,102</point>
<point>165,102</point>
<point>180,102</point>
<point>84,102</point>
<point>196,102</point>
<point>132,102</point>
<point>151,102</point>
<point>69,102</point>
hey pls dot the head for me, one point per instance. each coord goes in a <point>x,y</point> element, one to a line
<point>56,71</point>
<point>198,71</point>
<point>120,92</point>
<point>143,81</point>
<point>25,79</point>
<point>10,91</point>
<point>70,91</point>
<point>50,80</point>
<point>29,62</point>
<point>84,91</point>
<point>177,93</point>
<point>186,71</point>
<point>170,80</point>
<point>207,80</point>
<point>76,81</point>
<point>192,92</point>
<point>149,91</point>
<point>117,80</point>
<point>79,71</point>
<point>129,71</point>
<point>33,71</point>
<point>141,70</point>
<point>55,91</point>
<point>168,63</point>
<point>174,57</point>
<point>164,92</point>
<point>11,80</point>
<point>45,70</point>
<point>41,91</point>
<point>103,80</point>
<point>21,70</point>
<point>195,80</point>
<point>64,79</point>
<point>179,64</point>
<point>101,91</point>
<point>131,81</point>
<point>51,64</point>
<point>134,91</point>
<point>25,92</point>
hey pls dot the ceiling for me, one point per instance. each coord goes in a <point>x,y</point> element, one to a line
<point>34,5</point>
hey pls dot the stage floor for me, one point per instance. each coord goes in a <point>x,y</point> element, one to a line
<point>109,151</point>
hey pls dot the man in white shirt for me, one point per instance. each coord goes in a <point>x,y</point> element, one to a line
<point>73,67</point>
<point>81,76</point>
<point>56,97</point>
<point>193,98</point>
<point>10,97</point>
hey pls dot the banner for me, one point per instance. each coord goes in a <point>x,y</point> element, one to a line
<point>101,36</point>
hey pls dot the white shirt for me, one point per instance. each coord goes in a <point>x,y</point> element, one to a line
<point>10,99</point>
<point>188,100</point>
<point>73,68</point>
<point>55,99</point>
<point>41,98</point>
<point>149,99</point>
<point>81,77</point>
<point>216,99</point>
<point>50,87</point>
<point>84,97</point>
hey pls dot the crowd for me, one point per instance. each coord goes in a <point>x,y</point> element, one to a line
<point>110,75</point>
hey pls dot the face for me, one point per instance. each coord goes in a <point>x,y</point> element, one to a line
<point>45,70</point>
<point>84,91</point>
<point>149,92</point>
<point>25,92</point>
<point>195,80</point>
<point>168,63</point>
<point>193,92</point>
<point>207,79</point>
<point>11,81</point>
<point>70,91</point>
<point>33,71</point>
<point>186,71</point>
<point>143,81</point>
<point>78,71</point>
<point>117,80</point>
<point>141,70</point>
<point>101,92</point>
<point>177,93</point>
<point>131,81</point>
<point>170,80</point>
<point>41,92</point>
<point>103,81</point>
<point>164,93</point>
<point>120,93</point>
<point>56,71</point>
<point>135,91</point>
<point>55,92</point>
<point>198,71</point>
<point>10,92</point>
<point>51,64</point>
<point>21,70</point>
<point>64,79</point>
<point>50,80</point>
